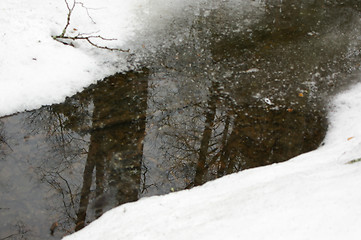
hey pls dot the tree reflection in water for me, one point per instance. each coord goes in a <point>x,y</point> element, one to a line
<point>107,124</point>
<point>115,150</point>
<point>250,97</point>
<point>225,100</point>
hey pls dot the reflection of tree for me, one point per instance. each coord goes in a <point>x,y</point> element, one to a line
<point>57,164</point>
<point>209,124</point>
<point>237,137</point>
<point>115,150</point>
<point>234,128</point>
<point>107,123</point>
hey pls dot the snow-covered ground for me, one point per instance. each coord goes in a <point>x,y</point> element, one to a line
<point>37,70</point>
<point>313,196</point>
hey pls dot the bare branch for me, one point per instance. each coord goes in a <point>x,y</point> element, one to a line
<point>87,11</point>
<point>82,36</point>
<point>70,11</point>
<point>88,39</point>
<point>105,47</point>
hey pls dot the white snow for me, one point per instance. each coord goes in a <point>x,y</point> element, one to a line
<point>37,70</point>
<point>44,71</point>
<point>312,196</point>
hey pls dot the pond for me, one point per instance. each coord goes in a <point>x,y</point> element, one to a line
<point>233,92</point>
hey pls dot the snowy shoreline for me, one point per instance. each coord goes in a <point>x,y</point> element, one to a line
<point>36,70</point>
<point>312,196</point>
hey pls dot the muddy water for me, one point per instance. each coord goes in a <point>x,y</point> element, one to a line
<point>224,99</point>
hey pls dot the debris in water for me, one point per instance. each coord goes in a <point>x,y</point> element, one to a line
<point>53,227</point>
<point>266,100</point>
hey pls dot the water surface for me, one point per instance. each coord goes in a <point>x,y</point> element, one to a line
<point>231,95</point>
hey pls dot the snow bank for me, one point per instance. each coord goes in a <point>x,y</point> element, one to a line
<point>37,70</point>
<point>313,196</point>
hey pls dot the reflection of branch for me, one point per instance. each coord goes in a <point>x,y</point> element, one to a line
<point>21,231</point>
<point>2,139</point>
<point>70,192</point>
<point>14,234</point>
<point>144,185</point>
<point>56,185</point>
<point>63,36</point>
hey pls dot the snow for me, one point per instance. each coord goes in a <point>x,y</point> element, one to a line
<point>35,69</point>
<point>313,196</point>
<point>44,71</point>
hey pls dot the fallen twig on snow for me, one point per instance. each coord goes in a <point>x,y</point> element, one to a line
<point>63,37</point>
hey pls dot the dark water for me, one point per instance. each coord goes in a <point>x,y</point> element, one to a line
<point>227,98</point>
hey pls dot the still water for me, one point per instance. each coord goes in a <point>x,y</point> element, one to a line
<point>229,96</point>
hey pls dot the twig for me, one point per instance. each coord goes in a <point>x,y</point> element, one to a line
<point>88,39</point>
<point>87,11</point>
<point>63,36</point>
<point>70,11</point>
